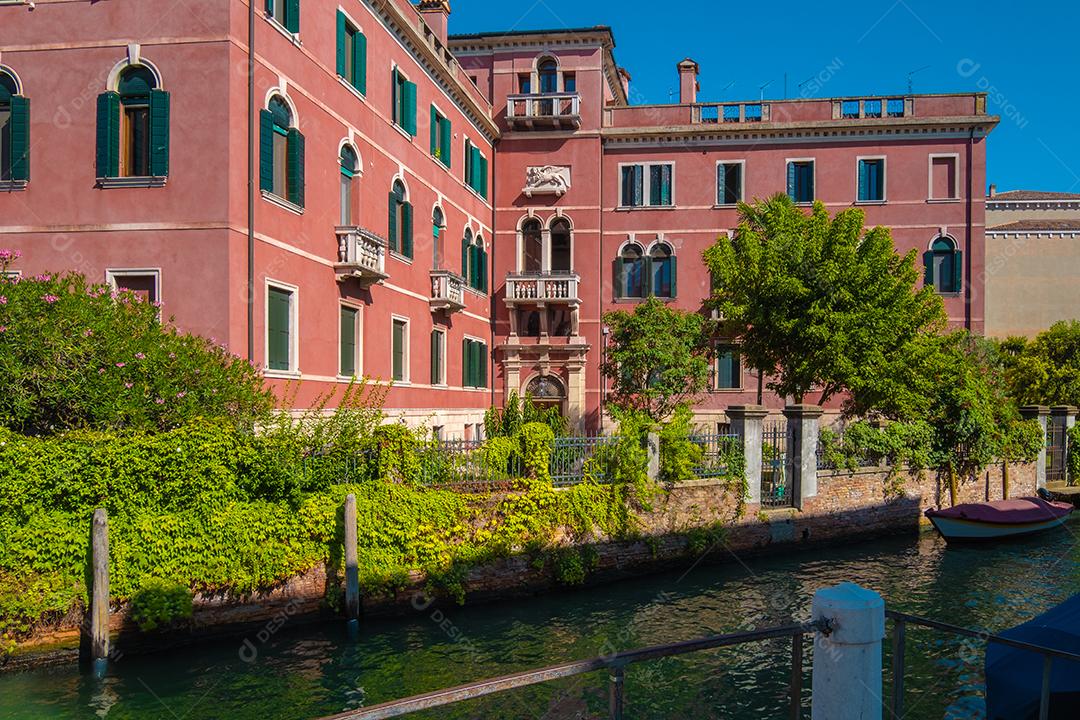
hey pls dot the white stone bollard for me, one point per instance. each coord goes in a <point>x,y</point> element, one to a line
<point>847,682</point>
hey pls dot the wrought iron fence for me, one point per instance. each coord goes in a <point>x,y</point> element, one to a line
<point>775,485</point>
<point>577,457</point>
<point>1056,438</point>
<point>717,449</point>
<point>465,463</point>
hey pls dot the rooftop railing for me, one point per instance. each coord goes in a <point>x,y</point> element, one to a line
<point>544,110</point>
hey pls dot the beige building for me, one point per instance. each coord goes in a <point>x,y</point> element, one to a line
<point>1032,260</point>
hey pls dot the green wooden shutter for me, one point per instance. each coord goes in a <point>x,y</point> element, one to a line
<point>617,277</point>
<point>342,31</point>
<point>270,7</point>
<point>108,135</point>
<point>398,351</point>
<point>436,348</point>
<point>791,180</point>
<point>928,268</point>
<point>348,342</point>
<point>864,181</point>
<point>465,259</point>
<point>410,108</point>
<point>468,162</point>
<point>447,136</point>
<point>292,16</point>
<point>295,167</point>
<point>481,273</point>
<point>483,177</point>
<point>406,230</point>
<point>20,137</point>
<point>674,275</point>
<point>395,98</point>
<point>266,150</point>
<point>957,271</point>
<point>159,133</point>
<point>360,62</point>
<point>647,276</point>
<point>721,184</point>
<point>464,363</point>
<point>277,330</point>
<point>391,228</point>
<point>433,130</point>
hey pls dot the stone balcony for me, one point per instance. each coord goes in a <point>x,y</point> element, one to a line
<point>447,292</point>
<point>549,110</point>
<point>361,255</point>
<point>540,288</point>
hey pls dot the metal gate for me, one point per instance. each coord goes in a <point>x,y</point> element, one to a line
<point>1056,439</point>
<point>775,479</point>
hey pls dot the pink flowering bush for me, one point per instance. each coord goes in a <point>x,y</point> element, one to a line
<point>75,355</point>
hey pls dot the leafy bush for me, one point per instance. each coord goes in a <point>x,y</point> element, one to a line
<point>1046,370</point>
<point>508,421</point>
<point>77,355</point>
<point>1074,455</point>
<point>160,603</point>
<point>679,455</point>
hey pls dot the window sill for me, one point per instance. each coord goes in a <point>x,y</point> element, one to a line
<point>475,192</point>
<point>803,203</point>
<point>870,202</point>
<point>936,201</point>
<point>628,208</point>
<point>281,374</point>
<point>726,206</point>
<point>292,37</point>
<point>404,133</point>
<point>398,256</point>
<point>474,291</point>
<point>728,390</point>
<point>402,383</point>
<point>949,294</point>
<point>282,202</point>
<point>107,183</point>
<point>352,88</point>
<point>12,185</point>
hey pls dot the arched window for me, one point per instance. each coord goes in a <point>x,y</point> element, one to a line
<point>474,261</point>
<point>349,167</point>
<point>532,246</point>
<point>281,152</point>
<point>400,235</point>
<point>944,265</point>
<point>547,71</point>
<point>133,127</point>
<point>662,270</point>
<point>438,222</point>
<point>546,391</point>
<point>560,246</point>
<point>14,131</point>
<point>630,276</point>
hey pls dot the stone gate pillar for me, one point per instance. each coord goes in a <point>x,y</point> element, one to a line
<point>746,422</point>
<point>1041,414</point>
<point>802,442</point>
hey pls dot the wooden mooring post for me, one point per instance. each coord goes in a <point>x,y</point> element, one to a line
<point>352,573</point>
<point>99,604</point>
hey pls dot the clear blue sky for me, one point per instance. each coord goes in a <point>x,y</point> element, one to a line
<point>1026,55</point>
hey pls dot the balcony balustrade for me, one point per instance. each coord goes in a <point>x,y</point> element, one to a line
<point>361,255</point>
<point>447,291</point>
<point>540,288</point>
<point>551,110</point>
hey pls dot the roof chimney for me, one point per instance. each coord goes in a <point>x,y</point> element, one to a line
<point>993,190</point>
<point>436,14</point>
<point>624,78</point>
<point>688,84</point>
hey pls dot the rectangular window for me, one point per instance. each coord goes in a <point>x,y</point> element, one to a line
<point>349,321</point>
<point>144,283</point>
<point>943,178</point>
<point>728,368</point>
<point>438,357</point>
<point>404,102</point>
<point>476,169</point>
<point>569,81</point>
<point>441,135</point>
<point>135,147</point>
<point>286,12</point>
<point>351,54</point>
<point>800,180</point>
<point>646,185</point>
<point>279,330</point>
<point>400,350</point>
<point>872,180</point>
<point>524,84</point>
<point>281,142</point>
<point>729,183</point>
<point>473,363</point>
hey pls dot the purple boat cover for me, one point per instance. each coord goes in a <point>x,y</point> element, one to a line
<point>1006,512</point>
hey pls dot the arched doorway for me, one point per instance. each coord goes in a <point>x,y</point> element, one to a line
<point>547,391</point>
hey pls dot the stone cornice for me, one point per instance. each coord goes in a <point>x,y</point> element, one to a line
<point>439,62</point>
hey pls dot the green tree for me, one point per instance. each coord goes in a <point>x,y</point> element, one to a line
<point>77,355</point>
<point>657,358</point>
<point>816,302</point>
<point>1046,370</point>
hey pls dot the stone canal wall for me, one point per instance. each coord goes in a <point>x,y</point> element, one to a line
<point>690,522</point>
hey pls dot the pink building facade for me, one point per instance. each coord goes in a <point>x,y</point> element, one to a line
<point>363,195</point>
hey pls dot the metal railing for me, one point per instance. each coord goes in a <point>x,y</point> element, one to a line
<point>857,108</point>
<point>564,105</point>
<point>709,113</point>
<point>464,463</point>
<point>575,458</point>
<point>717,450</point>
<point>775,487</point>
<point>902,620</point>
<point>542,286</point>
<point>616,664</point>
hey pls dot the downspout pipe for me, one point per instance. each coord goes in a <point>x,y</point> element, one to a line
<point>968,241</point>
<point>490,270</point>
<point>251,186</point>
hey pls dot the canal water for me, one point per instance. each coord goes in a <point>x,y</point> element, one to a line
<point>303,672</point>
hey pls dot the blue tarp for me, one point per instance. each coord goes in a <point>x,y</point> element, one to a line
<point>1014,677</point>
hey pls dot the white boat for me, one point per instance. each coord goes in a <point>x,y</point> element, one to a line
<point>998,519</point>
